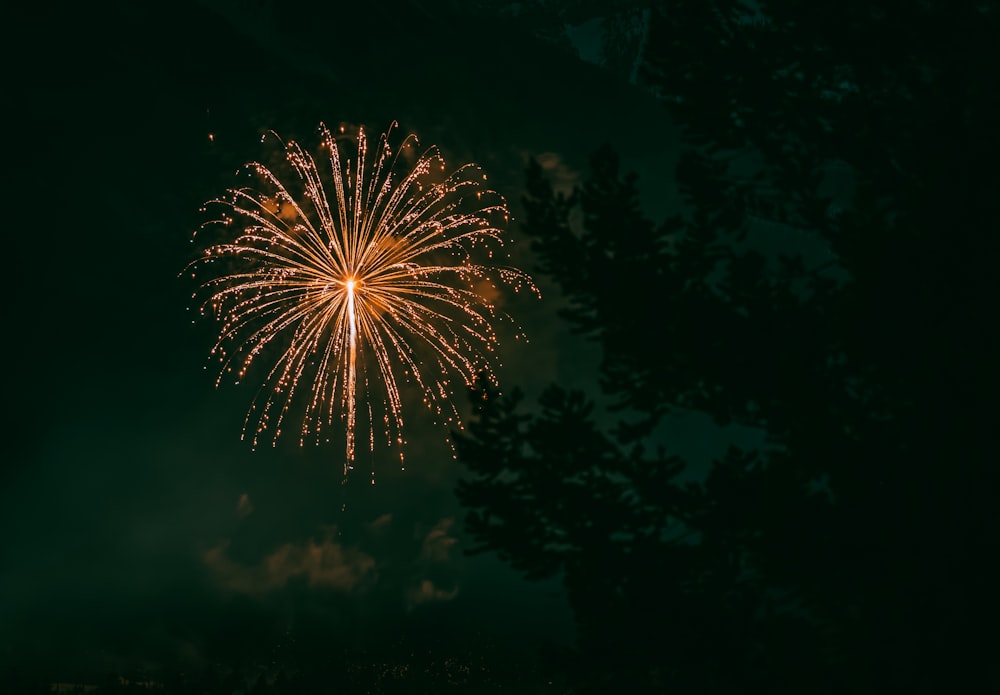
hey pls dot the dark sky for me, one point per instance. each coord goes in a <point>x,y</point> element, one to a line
<point>139,531</point>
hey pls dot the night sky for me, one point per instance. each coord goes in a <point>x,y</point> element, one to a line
<point>140,533</point>
<point>804,267</point>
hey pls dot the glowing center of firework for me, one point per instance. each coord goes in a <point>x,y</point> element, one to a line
<point>352,359</point>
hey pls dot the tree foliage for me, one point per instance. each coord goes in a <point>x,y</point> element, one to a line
<point>852,553</point>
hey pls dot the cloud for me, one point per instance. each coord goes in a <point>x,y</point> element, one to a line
<point>435,559</point>
<point>563,178</point>
<point>380,523</point>
<point>324,565</point>
<point>427,591</point>
<point>488,290</point>
<point>438,541</point>
<point>243,506</point>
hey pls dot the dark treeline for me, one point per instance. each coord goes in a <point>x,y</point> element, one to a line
<point>852,551</point>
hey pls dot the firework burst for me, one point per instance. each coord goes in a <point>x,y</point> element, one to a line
<point>351,280</point>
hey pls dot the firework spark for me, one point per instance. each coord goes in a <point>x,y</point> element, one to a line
<point>351,284</point>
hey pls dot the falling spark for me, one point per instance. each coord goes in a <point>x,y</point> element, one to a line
<point>348,283</point>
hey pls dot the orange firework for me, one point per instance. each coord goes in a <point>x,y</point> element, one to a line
<point>349,280</point>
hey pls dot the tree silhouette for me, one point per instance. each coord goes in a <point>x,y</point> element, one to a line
<point>853,552</point>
